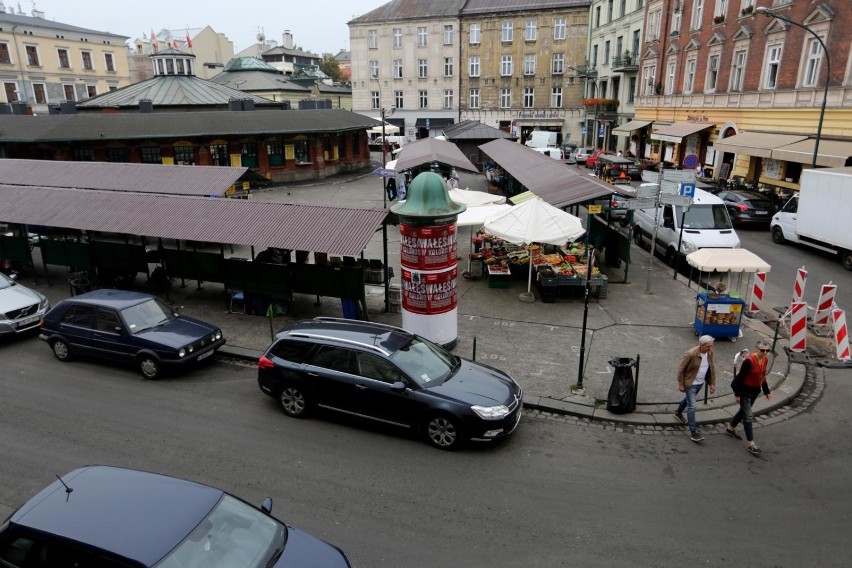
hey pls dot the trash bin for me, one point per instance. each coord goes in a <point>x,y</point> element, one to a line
<point>79,285</point>
<point>622,392</point>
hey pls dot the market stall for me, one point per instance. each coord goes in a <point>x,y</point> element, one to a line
<point>480,206</point>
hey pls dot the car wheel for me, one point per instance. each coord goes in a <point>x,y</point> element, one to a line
<point>61,350</point>
<point>637,237</point>
<point>671,257</point>
<point>293,402</point>
<point>778,236</point>
<point>149,367</point>
<point>443,432</point>
<point>846,259</point>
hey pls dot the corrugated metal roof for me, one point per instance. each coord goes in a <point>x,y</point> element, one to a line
<point>488,6</point>
<point>411,9</point>
<point>24,20</point>
<point>249,64</point>
<point>428,150</point>
<point>169,125</point>
<point>257,80</point>
<point>549,179</point>
<point>141,178</point>
<point>474,130</point>
<point>333,230</point>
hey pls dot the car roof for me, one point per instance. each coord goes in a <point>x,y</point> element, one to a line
<point>118,299</point>
<point>748,194</point>
<point>373,336</point>
<point>138,515</point>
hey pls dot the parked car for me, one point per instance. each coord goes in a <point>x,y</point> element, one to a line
<point>110,517</point>
<point>21,309</point>
<point>592,160</point>
<point>128,327</point>
<point>748,207</point>
<point>580,154</point>
<point>390,376</point>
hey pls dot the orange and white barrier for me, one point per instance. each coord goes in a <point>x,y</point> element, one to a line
<point>841,335</point>
<point>799,286</point>
<point>757,292</point>
<point>826,303</point>
<point>798,326</point>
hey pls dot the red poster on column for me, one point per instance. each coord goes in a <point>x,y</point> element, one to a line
<point>428,248</point>
<point>429,293</point>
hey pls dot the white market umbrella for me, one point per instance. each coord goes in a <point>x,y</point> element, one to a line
<point>475,198</point>
<point>535,221</point>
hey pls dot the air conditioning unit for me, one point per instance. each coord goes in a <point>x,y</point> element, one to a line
<point>714,63</point>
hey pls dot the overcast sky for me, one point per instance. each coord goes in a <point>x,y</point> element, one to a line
<point>319,27</point>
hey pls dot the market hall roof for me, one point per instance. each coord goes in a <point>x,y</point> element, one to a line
<point>411,9</point>
<point>549,179</point>
<point>207,181</point>
<point>474,130</point>
<point>127,126</point>
<point>428,150</point>
<point>332,230</point>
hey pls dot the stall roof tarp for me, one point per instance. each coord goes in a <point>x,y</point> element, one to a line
<point>475,198</point>
<point>678,131</point>
<point>535,221</point>
<point>428,150</point>
<point>831,153</point>
<point>628,127</point>
<point>474,216</point>
<point>758,144</point>
<point>140,178</point>
<point>727,260</point>
<point>551,180</point>
<point>389,129</point>
<point>332,230</point>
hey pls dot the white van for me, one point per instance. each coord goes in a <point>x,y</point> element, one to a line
<point>555,153</point>
<point>542,139</point>
<point>705,225</point>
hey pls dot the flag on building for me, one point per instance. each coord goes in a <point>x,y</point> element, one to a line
<point>153,40</point>
<point>188,41</point>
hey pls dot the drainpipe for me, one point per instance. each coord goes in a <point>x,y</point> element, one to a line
<point>20,62</point>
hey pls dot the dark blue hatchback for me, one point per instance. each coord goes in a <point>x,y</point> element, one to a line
<point>109,517</point>
<point>128,327</point>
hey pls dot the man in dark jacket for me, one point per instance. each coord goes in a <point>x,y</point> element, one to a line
<point>747,384</point>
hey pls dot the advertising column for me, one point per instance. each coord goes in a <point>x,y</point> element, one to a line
<point>429,259</point>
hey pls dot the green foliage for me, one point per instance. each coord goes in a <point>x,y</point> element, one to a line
<point>329,66</point>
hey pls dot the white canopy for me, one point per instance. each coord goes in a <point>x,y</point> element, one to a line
<point>727,260</point>
<point>477,214</point>
<point>535,221</point>
<point>473,198</point>
<point>389,129</point>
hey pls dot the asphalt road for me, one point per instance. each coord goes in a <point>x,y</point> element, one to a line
<point>559,493</point>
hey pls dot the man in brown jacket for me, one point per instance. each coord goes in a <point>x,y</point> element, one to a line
<point>695,369</point>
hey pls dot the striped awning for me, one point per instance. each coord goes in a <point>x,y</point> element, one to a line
<point>758,144</point>
<point>628,127</point>
<point>678,131</point>
<point>831,153</point>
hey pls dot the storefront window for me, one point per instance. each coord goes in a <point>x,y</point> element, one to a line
<point>150,155</point>
<point>303,155</point>
<point>84,154</point>
<point>184,155</point>
<point>275,152</point>
<point>248,155</point>
<point>118,155</point>
<point>219,155</point>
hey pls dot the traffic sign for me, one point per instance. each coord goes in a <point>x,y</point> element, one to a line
<point>690,161</point>
<point>679,200</point>
<point>642,203</point>
<point>594,209</point>
<point>687,189</point>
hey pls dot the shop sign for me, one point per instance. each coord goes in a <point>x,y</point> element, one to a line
<point>429,293</point>
<point>697,118</point>
<point>594,209</point>
<point>429,247</point>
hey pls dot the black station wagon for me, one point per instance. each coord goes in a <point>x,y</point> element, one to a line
<point>128,327</point>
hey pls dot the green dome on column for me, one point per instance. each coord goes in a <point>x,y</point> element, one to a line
<point>428,197</point>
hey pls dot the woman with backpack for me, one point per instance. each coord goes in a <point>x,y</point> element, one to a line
<point>747,385</point>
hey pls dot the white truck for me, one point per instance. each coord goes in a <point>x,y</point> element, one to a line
<point>819,215</point>
<point>542,139</point>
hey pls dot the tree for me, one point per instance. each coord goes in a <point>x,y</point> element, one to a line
<point>330,67</point>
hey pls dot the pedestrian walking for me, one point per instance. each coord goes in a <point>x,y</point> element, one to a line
<point>695,369</point>
<point>747,385</point>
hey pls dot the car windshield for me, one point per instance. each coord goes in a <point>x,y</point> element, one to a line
<point>232,534</point>
<point>425,362</point>
<point>6,282</point>
<point>146,315</point>
<point>705,217</point>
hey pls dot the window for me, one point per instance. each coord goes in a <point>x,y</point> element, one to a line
<point>150,155</point>
<point>475,34</point>
<point>619,45</point>
<point>556,97</point>
<point>654,25</point>
<point>5,57</point>
<point>39,93</point>
<point>397,37</point>
<point>423,97</point>
<point>68,91</point>
<point>606,53</point>
<point>675,27</point>
<point>373,39</point>
<point>559,28</point>
<point>32,56</point>
<point>422,68</point>
<point>712,73</point>
<point>773,60</point>
<point>64,62</point>
<point>505,98</point>
<point>397,99</point>
<point>448,98</point>
<point>689,76</point>
<point>301,151</point>
<point>422,36</point>
<point>506,32</point>
<point>91,91</point>
<point>623,8</point>
<point>636,35</point>
<point>697,14</point>
<point>80,316</point>
<point>170,66</point>
<point>474,66</point>
<point>597,16</point>
<point>448,35</point>
<point>594,56</point>
<point>219,155</point>
<point>670,77</point>
<point>530,31</point>
<point>374,100</point>
<point>448,67</point>
<point>185,155</point>
<point>721,8</point>
<point>558,66</point>
<point>87,60</point>
<point>292,351</point>
<point>631,94</point>
<point>474,98</point>
<point>335,359</point>
<point>814,55</point>
<point>397,68</point>
<point>11,92</point>
<point>529,97</point>
<point>248,155</point>
<point>529,64</point>
<point>180,68</point>
<point>374,69</point>
<point>83,154</point>
<point>275,152</point>
<point>506,66</point>
<point>378,369</point>
<point>648,74</point>
<point>738,72</point>
<point>609,11</point>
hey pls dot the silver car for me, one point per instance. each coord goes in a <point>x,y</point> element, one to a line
<point>21,309</point>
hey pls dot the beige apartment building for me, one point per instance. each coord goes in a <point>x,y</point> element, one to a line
<point>212,50</point>
<point>44,63</point>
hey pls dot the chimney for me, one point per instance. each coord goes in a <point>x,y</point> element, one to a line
<point>235,104</point>
<point>146,105</point>
<point>248,104</point>
<point>287,40</point>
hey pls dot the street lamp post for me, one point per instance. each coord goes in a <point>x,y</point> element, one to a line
<point>385,112</point>
<point>770,14</point>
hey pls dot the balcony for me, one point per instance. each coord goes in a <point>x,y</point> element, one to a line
<point>625,63</point>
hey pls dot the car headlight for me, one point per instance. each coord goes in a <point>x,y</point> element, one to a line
<point>191,348</point>
<point>181,352</point>
<point>687,247</point>
<point>218,335</point>
<point>44,304</point>
<point>490,412</point>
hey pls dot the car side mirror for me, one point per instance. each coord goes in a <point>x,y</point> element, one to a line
<point>668,223</point>
<point>398,386</point>
<point>266,507</point>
